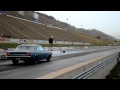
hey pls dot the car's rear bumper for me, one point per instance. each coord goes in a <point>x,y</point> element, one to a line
<point>19,57</point>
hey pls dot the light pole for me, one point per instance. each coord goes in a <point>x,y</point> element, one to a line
<point>67,23</point>
<point>81,26</point>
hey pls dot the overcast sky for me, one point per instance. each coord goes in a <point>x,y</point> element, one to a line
<point>105,21</point>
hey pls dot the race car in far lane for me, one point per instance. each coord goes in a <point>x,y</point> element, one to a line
<point>28,53</point>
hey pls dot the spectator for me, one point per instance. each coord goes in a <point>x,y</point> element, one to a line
<point>3,35</point>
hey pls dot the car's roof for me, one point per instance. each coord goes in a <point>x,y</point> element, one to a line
<point>29,45</point>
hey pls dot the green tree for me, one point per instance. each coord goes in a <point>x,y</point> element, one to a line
<point>118,41</point>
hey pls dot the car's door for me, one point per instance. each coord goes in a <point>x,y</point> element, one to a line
<point>43,52</point>
<point>38,53</point>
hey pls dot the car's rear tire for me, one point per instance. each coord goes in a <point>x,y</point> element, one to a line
<point>15,62</point>
<point>35,60</point>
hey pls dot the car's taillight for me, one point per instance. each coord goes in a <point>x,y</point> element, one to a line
<point>8,53</point>
<point>28,54</point>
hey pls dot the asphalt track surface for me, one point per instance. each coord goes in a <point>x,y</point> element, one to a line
<point>58,61</point>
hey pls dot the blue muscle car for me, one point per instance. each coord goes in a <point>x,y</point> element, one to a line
<point>29,53</point>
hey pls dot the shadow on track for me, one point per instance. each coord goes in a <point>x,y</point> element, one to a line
<point>21,64</point>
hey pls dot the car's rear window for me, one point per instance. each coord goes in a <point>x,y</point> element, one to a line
<point>25,48</point>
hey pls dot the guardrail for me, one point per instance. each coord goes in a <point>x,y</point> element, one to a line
<point>92,70</point>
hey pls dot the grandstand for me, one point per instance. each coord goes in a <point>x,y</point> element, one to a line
<point>20,28</point>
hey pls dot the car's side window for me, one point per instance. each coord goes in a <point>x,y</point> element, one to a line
<point>41,48</point>
<point>36,48</point>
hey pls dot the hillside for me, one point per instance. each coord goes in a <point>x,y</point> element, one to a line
<point>96,33</point>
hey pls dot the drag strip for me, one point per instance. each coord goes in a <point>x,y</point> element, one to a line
<point>43,68</point>
<point>6,65</point>
<point>79,53</point>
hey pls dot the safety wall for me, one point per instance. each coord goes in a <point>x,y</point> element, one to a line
<point>11,40</point>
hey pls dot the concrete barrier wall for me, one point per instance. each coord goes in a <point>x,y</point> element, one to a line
<point>12,40</point>
<point>79,47</point>
<point>72,47</point>
<point>100,74</point>
<point>104,71</point>
<point>74,70</point>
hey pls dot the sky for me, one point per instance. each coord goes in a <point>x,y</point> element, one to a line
<point>106,21</point>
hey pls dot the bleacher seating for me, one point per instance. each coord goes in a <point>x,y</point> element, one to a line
<point>25,29</point>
